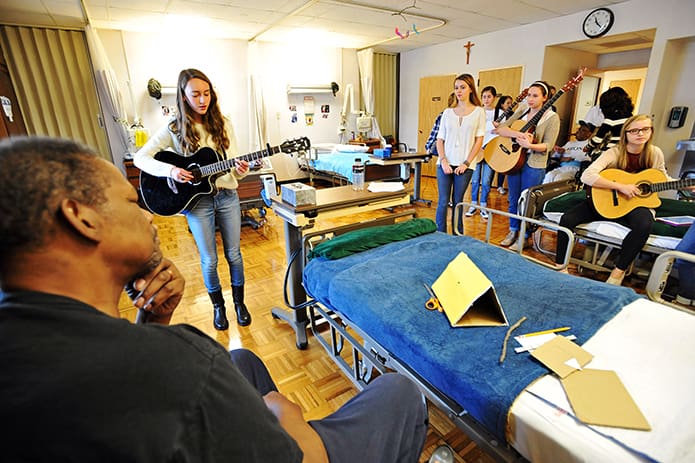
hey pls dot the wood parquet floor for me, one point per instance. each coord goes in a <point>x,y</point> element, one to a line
<point>308,377</point>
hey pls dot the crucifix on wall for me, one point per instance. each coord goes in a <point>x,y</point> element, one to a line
<point>468,46</point>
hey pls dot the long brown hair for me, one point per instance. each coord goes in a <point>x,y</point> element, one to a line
<point>473,97</point>
<point>213,121</point>
<point>647,155</point>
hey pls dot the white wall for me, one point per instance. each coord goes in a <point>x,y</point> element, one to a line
<point>137,57</point>
<point>676,92</point>
<point>526,45</point>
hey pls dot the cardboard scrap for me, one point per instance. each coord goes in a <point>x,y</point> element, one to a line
<point>467,296</point>
<point>597,396</point>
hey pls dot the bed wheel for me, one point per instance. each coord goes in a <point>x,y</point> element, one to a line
<point>302,345</point>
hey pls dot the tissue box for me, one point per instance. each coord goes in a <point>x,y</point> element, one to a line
<point>382,153</point>
<point>298,194</point>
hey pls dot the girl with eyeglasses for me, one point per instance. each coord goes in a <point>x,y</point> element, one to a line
<point>633,154</point>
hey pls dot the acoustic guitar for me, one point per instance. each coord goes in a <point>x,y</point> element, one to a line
<point>165,196</point>
<point>611,204</point>
<point>503,154</point>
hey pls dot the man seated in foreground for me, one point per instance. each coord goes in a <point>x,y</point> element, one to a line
<point>81,384</point>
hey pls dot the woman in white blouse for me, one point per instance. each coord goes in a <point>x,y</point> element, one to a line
<point>459,141</point>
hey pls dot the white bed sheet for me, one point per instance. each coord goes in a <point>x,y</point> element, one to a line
<point>652,349</point>
<point>606,228</point>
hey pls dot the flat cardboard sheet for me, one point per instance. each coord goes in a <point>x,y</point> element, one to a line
<point>596,396</point>
<point>599,397</point>
<point>467,295</point>
<point>559,355</point>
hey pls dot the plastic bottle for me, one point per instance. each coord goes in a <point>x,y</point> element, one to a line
<point>358,175</point>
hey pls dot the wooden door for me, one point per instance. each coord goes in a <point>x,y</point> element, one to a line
<point>434,93</point>
<point>507,81</point>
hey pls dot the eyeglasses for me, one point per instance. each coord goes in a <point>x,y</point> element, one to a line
<point>639,131</point>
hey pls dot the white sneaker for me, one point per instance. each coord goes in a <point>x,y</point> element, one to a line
<point>471,210</point>
<point>520,244</point>
<point>502,191</point>
<point>483,214</point>
<point>509,239</point>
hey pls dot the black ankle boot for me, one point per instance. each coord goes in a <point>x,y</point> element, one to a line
<point>243,317</point>
<point>220,320</point>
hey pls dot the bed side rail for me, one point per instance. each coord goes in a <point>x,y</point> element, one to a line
<point>663,265</point>
<point>366,356</point>
<point>526,224</point>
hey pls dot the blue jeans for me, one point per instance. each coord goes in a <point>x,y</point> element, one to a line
<point>445,183</point>
<point>517,182</point>
<point>225,209</point>
<point>686,270</point>
<point>386,422</point>
<point>482,174</point>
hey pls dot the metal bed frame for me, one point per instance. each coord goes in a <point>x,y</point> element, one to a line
<point>360,357</point>
<point>662,268</point>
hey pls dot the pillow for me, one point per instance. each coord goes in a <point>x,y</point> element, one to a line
<point>372,237</point>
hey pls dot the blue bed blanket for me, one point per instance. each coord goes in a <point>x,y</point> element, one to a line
<point>381,291</point>
<point>338,162</point>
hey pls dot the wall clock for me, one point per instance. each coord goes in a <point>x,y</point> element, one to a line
<point>598,22</point>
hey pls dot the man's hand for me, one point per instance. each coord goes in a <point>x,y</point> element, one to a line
<point>292,420</point>
<point>159,292</point>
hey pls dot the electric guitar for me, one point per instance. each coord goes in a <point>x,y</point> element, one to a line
<point>165,196</point>
<point>503,154</point>
<point>611,204</point>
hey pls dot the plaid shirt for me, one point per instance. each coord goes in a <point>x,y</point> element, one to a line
<point>431,145</point>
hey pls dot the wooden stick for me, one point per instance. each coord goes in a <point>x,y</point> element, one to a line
<point>506,337</point>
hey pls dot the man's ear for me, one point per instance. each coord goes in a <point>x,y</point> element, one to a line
<point>84,220</point>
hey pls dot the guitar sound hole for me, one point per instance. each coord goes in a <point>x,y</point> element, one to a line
<point>645,189</point>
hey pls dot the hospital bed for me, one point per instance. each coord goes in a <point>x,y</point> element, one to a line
<point>373,304</point>
<point>601,238</point>
<point>333,162</point>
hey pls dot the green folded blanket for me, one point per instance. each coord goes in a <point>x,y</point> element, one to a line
<point>668,208</point>
<point>368,238</point>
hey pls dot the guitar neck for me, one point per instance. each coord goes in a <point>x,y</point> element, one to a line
<point>507,113</point>
<point>533,122</point>
<point>672,185</point>
<point>510,110</point>
<point>226,164</point>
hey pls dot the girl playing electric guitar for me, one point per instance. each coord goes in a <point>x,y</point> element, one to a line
<point>537,145</point>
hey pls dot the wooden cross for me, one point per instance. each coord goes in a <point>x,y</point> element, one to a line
<point>468,46</point>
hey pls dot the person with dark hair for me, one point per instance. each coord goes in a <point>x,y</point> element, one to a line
<point>566,159</point>
<point>81,384</point>
<point>616,106</point>
<point>459,141</point>
<point>482,175</point>
<point>503,104</point>
<point>538,146</point>
<point>199,123</point>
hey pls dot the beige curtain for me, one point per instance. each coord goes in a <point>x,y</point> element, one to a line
<point>385,96</point>
<point>53,78</point>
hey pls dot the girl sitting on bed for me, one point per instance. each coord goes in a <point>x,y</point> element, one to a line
<point>459,141</point>
<point>633,153</point>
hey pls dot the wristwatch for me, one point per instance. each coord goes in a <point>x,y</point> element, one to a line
<point>468,164</point>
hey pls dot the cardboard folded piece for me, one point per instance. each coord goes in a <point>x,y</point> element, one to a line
<point>597,396</point>
<point>467,296</point>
